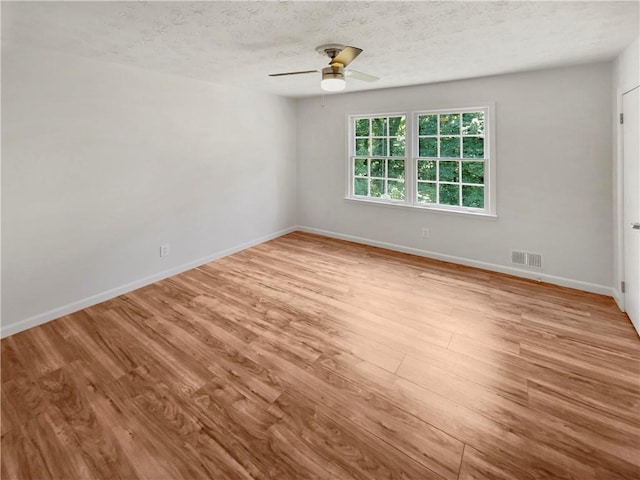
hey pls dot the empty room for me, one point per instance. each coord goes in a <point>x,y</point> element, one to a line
<point>320,240</point>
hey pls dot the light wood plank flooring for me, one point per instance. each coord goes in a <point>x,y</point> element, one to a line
<point>312,358</point>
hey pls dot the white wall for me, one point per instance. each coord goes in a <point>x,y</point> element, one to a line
<point>102,163</point>
<point>554,178</point>
<point>627,66</point>
<point>626,75</point>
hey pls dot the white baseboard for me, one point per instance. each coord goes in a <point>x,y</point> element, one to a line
<point>45,317</point>
<point>618,296</point>
<point>543,277</point>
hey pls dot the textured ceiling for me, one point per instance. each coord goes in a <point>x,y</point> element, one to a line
<point>404,43</point>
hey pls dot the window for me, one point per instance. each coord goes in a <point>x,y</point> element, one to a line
<point>441,160</point>
<point>451,158</point>
<point>378,157</point>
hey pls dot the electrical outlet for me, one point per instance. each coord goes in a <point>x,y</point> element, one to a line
<point>164,250</point>
<point>425,232</point>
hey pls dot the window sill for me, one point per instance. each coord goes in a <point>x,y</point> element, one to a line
<point>383,203</point>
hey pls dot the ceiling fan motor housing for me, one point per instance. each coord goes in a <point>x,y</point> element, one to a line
<point>333,72</point>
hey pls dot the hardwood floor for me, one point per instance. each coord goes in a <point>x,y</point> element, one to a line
<point>312,358</point>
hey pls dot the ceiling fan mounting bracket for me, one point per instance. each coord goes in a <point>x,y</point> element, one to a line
<point>330,50</point>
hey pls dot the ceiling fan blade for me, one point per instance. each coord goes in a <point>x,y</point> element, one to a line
<point>291,73</point>
<point>346,56</point>
<point>365,77</point>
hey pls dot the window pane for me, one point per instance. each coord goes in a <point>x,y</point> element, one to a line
<point>360,186</point>
<point>397,126</point>
<point>362,127</point>
<point>362,146</point>
<point>473,196</point>
<point>396,169</point>
<point>473,172</point>
<point>379,127</point>
<point>396,190</point>
<point>473,123</point>
<point>426,170</point>
<point>428,147</point>
<point>360,167</point>
<point>428,125</point>
<point>450,124</point>
<point>377,168</point>
<point>449,194</point>
<point>427,192</point>
<point>450,147</point>
<point>377,188</point>
<point>380,147</point>
<point>397,147</point>
<point>449,172</point>
<point>473,147</point>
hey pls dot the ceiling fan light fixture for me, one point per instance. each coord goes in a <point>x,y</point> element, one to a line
<point>332,79</point>
<point>332,84</point>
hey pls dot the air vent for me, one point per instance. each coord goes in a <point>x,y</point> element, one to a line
<point>527,259</point>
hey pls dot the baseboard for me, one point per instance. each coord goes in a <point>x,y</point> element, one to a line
<point>618,296</point>
<point>543,277</point>
<point>45,317</point>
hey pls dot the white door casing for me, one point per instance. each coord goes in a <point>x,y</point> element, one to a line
<point>631,204</point>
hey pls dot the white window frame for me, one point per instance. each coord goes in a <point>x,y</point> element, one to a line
<point>411,161</point>
<point>352,156</point>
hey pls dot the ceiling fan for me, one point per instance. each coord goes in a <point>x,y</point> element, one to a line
<point>333,76</point>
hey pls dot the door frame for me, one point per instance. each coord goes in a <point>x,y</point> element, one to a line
<point>618,201</point>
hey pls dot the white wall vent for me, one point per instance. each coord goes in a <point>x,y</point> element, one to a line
<point>526,258</point>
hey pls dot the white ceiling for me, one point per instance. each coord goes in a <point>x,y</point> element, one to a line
<point>405,43</point>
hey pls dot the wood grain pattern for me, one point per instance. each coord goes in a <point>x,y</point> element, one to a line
<point>312,358</point>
